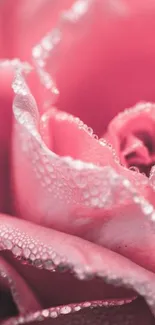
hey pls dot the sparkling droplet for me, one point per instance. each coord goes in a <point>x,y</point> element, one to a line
<point>26,252</point>
<point>16,250</point>
<point>148,209</point>
<point>153,216</point>
<point>65,310</point>
<point>49,265</point>
<point>38,263</point>
<point>134,169</point>
<point>45,313</point>
<point>95,136</point>
<point>53,314</point>
<point>86,304</point>
<point>7,243</point>
<point>77,308</point>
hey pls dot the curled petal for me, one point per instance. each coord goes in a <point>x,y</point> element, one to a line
<point>91,200</point>
<point>133,312</point>
<point>50,250</point>
<point>67,135</point>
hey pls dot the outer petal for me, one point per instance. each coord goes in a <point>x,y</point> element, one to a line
<point>24,22</point>
<point>132,313</point>
<point>7,71</point>
<point>45,248</point>
<point>103,59</point>
<point>8,25</point>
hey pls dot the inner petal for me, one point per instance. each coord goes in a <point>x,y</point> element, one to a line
<point>132,133</point>
<point>67,135</point>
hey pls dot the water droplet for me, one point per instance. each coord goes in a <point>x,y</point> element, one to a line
<point>95,201</point>
<point>134,169</point>
<point>80,274</point>
<point>77,308</point>
<point>37,51</point>
<point>45,256</point>
<point>38,263</point>
<point>80,181</point>
<point>153,216</point>
<point>62,267</point>
<point>65,310</point>
<point>7,243</point>
<point>95,136</point>
<point>16,250</point>
<point>53,314</point>
<point>86,304</point>
<point>31,246</point>
<point>32,257</point>
<point>148,209</point>
<point>103,142</point>
<point>40,168</point>
<point>50,168</point>
<point>48,265</point>
<point>45,313</point>
<point>90,130</point>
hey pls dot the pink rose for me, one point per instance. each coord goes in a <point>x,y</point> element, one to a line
<point>77,237</point>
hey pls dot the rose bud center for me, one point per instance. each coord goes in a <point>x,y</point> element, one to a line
<point>132,134</point>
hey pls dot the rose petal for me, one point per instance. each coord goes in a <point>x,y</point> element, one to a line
<point>58,128</point>
<point>46,285</point>
<point>132,313</point>
<point>82,257</point>
<point>8,24</point>
<point>22,294</point>
<point>103,60</point>
<point>7,71</point>
<point>28,21</point>
<point>77,197</point>
<point>140,118</point>
<point>6,98</point>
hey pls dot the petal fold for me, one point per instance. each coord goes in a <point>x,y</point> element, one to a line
<point>31,243</point>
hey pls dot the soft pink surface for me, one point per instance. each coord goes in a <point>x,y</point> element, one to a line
<point>111,65</point>
<point>24,22</point>
<point>79,209</point>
